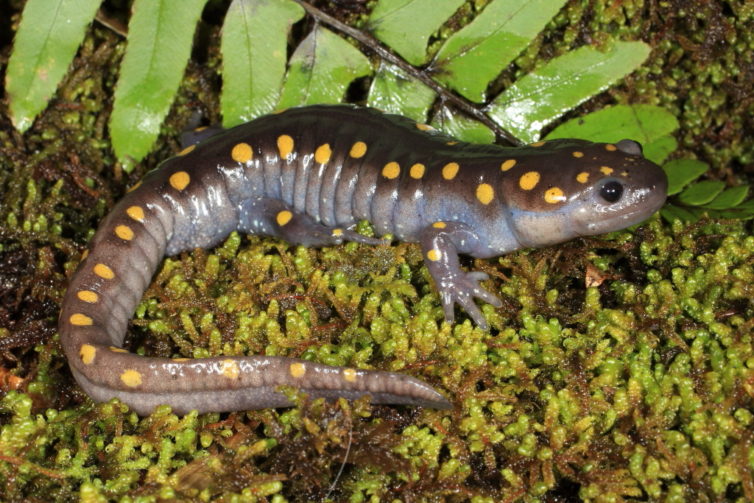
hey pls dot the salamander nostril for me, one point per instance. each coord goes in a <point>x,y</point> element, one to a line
<point>611,191</point>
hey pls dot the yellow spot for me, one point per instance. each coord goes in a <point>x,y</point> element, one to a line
<point>417,170</point>
<point>179,360</point>
<point>451,143</point>
<point>131,378</point>
<point>537,144</point>
<point>358,150</point>
<point>87,353</point>
<point>391,170</point>
<point>606,170</point>
<point>284,217</point>
<point>529,180</point>
<point>285,145</point>
<point>624,173</point>
<point>80,320</point>
<point>230,369</point>
<point>337,232</point>
<point>103,271</point>
<point>450,170</point>
<point>179,180</point>
<point>187,150</point>
<point>200,129</point>
<point>434,255</point>
<point>87,296</point>
<point>485,193</point>
<point>439,225</point>
<point>297,370</point>
<point>610,147</point>
<point>577,154</point>
<point>84,255</point>
<point>554,195</point>
<point>323,153</point>
<point>242,153</point>
<point>349,375</point>
<point>506,165</point>
<point>423,127</point>
<point>582,177</point>
<point>134,187</point>
<point>118,350</point>
<point>124,232</point>
<point>136,213</point>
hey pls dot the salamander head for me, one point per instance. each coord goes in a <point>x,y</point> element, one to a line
<point>622,197</point>
<point>587,189</point>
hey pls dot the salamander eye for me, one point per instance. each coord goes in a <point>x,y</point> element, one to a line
<point>629,147</point>
<point>611,191</point>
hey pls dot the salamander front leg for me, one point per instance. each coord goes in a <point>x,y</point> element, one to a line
<point>441,243</point>
<point>274,218</point>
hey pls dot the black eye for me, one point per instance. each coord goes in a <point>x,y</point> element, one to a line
<point>611,191</point>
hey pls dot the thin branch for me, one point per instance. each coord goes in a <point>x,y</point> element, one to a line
<point>386,54</point>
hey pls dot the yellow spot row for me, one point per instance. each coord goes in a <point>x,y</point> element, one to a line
<point>297,370</point>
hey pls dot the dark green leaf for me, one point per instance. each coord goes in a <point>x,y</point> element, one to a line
<point>46,41</point>
<point>159,44</point>
<point>701,193</point>
<point>542,96</point>
<point>477,53</point>
<point>254,47</point>
<point>642,123</point>
<point>395,92</point>
<point>682,172</point>
<point>729,198</point>
<point>406,25</point>
<point>659,150</point>
<point>744,210</point>
<point>321,68</point>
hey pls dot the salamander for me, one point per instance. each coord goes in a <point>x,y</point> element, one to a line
<point>308,175</point>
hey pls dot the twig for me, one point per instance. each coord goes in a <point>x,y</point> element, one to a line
<point>386,54</point>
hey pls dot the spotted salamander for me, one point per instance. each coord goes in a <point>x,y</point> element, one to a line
<point>307,175</point>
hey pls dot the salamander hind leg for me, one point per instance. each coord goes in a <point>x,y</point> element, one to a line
<point>441,243</point>
<point>274,218</point>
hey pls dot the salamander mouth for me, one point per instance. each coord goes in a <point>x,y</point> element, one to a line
<point>645,208</point>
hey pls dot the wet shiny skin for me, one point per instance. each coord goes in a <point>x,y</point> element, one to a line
<point>307,176</point>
